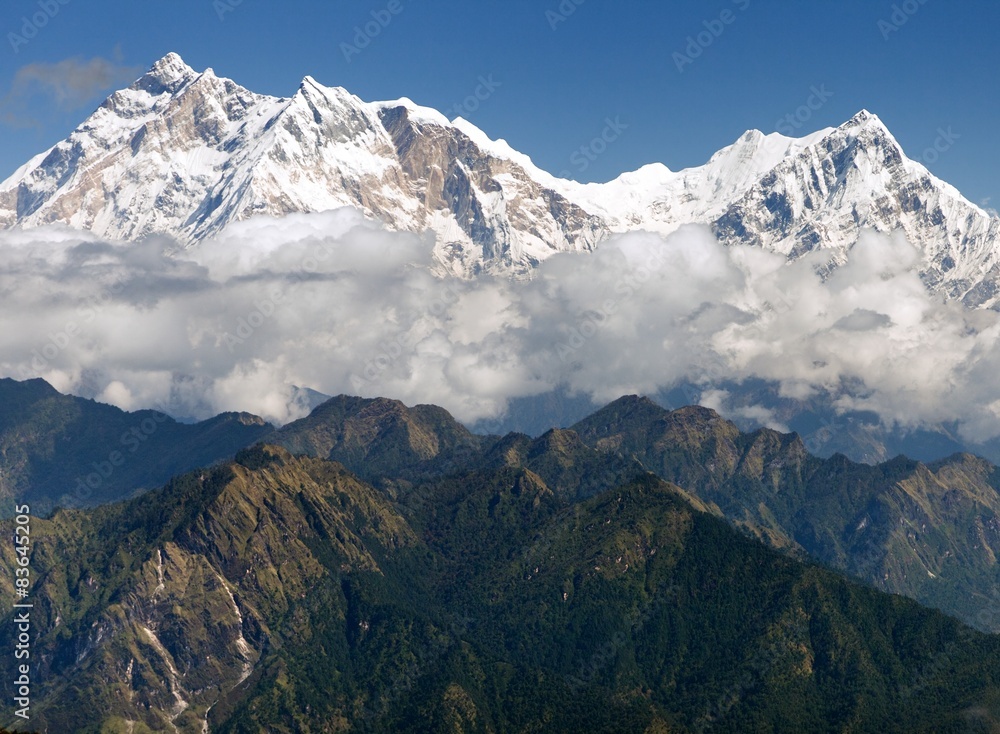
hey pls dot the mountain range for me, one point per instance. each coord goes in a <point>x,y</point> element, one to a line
<point>929,531</point>
<point>490,585</point>
<point>184,154</point>
<point>379,567</point>
<point>61,450</point>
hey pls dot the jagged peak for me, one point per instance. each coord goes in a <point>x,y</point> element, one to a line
<point>169,70</point>
<point>36,386</point>
<point>867,129</point>
<point>634,402</point>
<point>699,412</point>
<point>171,74</point>
<point>310,86</point>
<point>313,92</point>
<point>755,153</point>
<point>309,82</point>
<point>866,120</point>
<point>500,148</point>
<point>752,135</point>
<point>864,117</point>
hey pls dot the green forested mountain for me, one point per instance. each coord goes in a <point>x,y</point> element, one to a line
<point>61,450</point>
<point>378,568</point>
<point>284,594</point>
<point>382,439</point>
<point>930,532</point>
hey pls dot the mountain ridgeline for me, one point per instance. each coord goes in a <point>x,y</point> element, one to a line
<point>379,568</point>
<point>927,531</point>
<point>285,594</point>
<point>185,154</point>
<point>62,450</point>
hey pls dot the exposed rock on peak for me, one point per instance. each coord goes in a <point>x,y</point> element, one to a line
<point>186,154</point>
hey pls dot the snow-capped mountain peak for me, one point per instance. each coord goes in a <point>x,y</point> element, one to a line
<point>185,154</point>
<point>168,72</point>
<point>415,112</point>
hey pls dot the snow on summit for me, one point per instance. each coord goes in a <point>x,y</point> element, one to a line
<point>185,153</point>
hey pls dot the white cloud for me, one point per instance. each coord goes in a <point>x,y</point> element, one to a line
<point>331,302</point>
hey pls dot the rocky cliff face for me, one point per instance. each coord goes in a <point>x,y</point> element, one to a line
<point>155,639</point>
<point>858,177</point>
<point>185,154</point>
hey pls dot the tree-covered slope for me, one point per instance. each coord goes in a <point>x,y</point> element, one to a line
<point>284,594</point>
<point>61,450</point>
<point>930,532</point>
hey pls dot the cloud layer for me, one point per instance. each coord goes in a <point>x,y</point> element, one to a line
<point>332,302</point>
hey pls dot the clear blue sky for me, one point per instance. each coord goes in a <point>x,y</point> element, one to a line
<point>607,59</point>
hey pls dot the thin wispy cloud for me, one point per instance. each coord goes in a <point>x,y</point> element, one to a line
<point>68,85</point>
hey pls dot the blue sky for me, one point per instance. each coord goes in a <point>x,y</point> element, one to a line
<point>558,71</point>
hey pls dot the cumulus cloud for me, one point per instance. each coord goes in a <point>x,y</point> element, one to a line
<point>70,84</point>
<point>332,302</point>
